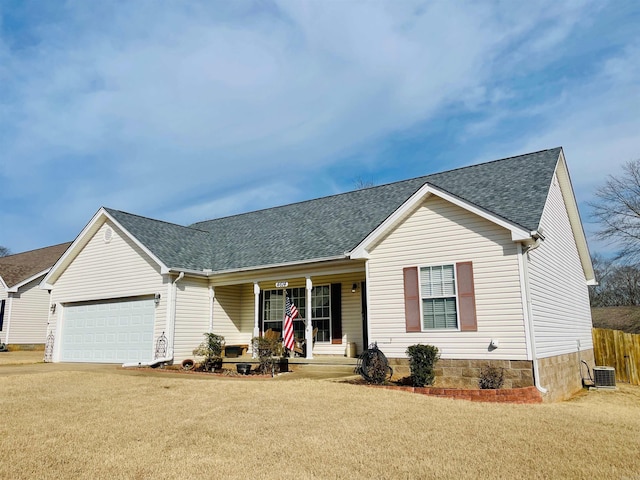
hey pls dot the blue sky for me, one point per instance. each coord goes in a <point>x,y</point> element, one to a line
<point>186,111</point>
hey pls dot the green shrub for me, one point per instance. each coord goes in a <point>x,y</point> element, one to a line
<point>491,377</point>
<point>422,361</point>
<point>211,350</point>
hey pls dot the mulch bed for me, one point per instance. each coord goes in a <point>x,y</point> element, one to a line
<point>223,372</point>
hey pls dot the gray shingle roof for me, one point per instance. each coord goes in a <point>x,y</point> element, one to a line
<point>514,188</point>
<point>15,269</point>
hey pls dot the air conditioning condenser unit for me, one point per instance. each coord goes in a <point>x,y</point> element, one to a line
<point>604,377</point>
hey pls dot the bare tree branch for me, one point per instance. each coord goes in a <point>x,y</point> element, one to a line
<point>617,209</point>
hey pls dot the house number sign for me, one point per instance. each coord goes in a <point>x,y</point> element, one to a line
<point>282,284</point>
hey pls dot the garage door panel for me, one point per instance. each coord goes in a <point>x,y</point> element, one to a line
<point>113,332</point>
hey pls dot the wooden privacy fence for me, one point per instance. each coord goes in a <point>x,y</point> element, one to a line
<point>613,348</point>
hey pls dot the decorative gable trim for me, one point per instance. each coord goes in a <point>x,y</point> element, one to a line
<point>81,240</point>
<point>518,233</point>
<point>564,180</point>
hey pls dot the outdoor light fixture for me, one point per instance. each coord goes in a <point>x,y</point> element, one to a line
<point>156,298</point>
<point>354,288</point>
<point>53,308</point>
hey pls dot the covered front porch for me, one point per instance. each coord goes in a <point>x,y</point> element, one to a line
<point>331,305</point>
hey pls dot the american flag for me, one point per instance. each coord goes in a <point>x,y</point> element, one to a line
<point>290,312</point>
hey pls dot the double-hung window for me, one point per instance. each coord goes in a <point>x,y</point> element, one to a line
<point>439,298</point>
<point>273,311</point>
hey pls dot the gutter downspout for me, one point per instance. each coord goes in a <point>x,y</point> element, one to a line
<point>212,296</point>
<point>170,329</point>
<point>523,260</point>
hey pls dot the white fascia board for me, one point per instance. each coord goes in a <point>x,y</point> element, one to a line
<point>17,286</point>
<point>518,233</point>
<point>564,179</point>
<point>83,238</point>
<point>3,284</point>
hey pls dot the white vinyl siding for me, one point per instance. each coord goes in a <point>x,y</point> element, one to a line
<point>559,293</point>
<point>29,313</point>
<point>104,271</point>
<point>228,320</point>
<point>192,316</point>
<point>437,233</point>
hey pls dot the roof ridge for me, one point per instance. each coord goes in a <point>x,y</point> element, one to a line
<point>276,207</point>
<point>35,250</point>
<point>108,210</point>
<point>492,161</point>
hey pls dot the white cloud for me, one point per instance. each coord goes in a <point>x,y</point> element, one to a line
<point>146,109</point>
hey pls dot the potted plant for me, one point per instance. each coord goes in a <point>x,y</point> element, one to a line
<point>211,350</point>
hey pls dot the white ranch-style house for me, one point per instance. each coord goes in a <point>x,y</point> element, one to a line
<point>488,262</point>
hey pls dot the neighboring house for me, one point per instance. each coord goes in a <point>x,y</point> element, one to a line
<point>487,262</point>
<point>24,308</point>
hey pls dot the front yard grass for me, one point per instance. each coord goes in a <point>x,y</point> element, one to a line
<point>101,424</point>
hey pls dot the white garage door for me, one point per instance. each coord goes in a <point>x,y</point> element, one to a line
<point>108,332</point>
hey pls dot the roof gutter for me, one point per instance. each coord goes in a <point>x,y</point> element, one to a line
<point>206,272</point>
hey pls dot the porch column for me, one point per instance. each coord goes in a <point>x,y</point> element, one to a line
<point>256,315</point>
<point>309,330</point>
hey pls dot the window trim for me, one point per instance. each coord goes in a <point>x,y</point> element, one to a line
<point>299,318</point>
<point>422,296</point>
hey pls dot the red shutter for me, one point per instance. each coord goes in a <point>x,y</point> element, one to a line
<point>412,299</point>
<point>466,297</point>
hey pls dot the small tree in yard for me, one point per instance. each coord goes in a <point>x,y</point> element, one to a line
<point>422,361</point>
<point>617,209</point>
<point>211,350</point>
<point>269,350</point>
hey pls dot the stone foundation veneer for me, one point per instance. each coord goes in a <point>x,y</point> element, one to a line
<point>560,375</point>
<point>466,373</point>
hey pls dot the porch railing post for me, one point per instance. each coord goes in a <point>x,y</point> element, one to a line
<point>256,316</point>
<point>309,326</point>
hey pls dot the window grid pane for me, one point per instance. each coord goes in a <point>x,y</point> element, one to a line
<point>273,311</point>
<point>438,288</point>
<point>321,312</point>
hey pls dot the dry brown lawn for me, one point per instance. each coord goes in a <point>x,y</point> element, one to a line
<point>105,424</point>
<point>21,357</point>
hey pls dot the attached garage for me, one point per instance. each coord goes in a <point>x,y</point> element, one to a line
<point>116,331</point>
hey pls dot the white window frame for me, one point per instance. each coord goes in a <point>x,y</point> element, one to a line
<point>302,310</point>
<point>424,297</point>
